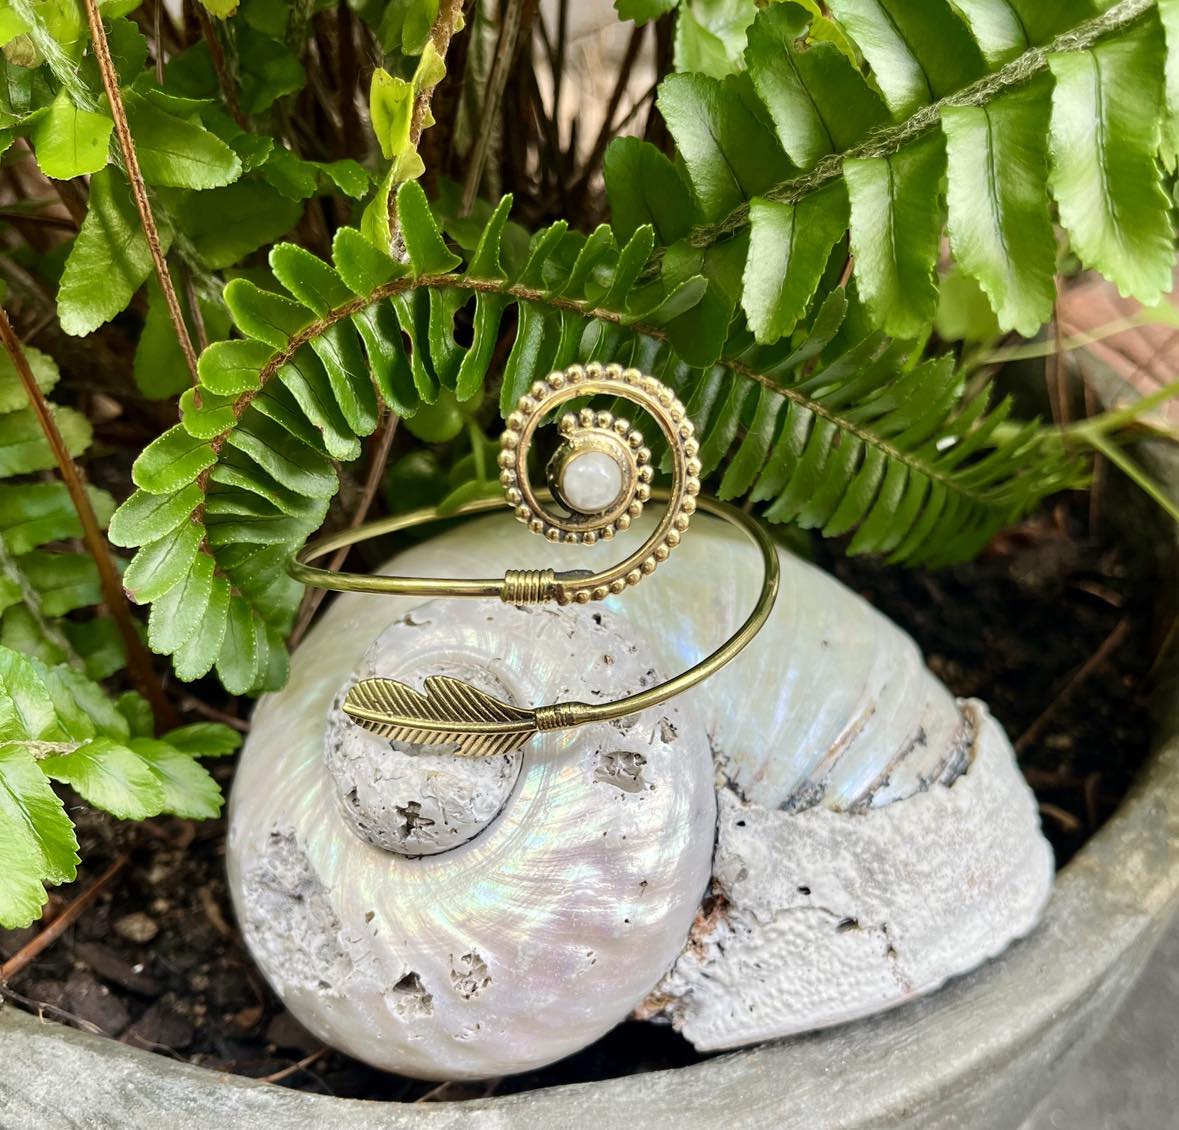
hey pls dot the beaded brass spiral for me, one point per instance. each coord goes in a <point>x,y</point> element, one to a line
<point>664,407</point>
<point>448,712</point>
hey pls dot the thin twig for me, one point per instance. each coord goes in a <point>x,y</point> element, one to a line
<point>217,57</point>
<point>138,661</point>
<point>1061,815</point>
<point>17,216</point>
<point>372,482</point>
<point>434,1094</point>
<point>71,196</point>
<point>194,310</point>
<point>110,81</point>
<point>347,72</point>
<point>557,58</point>
<point>505,56</point>
<point>1100,465</point>
<point>29,952</point>
<point>213,912</point>
<point>1054,369</point>
<point>198,706</point>
<point>158,38</point>
<point>609,129</point>
<point>287,1072</point>
<point>1109,645</point>
<point>636,106</point>
<point>41,1008</point>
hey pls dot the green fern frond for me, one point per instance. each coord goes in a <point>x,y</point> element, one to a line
<point>836,434</point>
<point>42,580</point>
<point>58,725</point>
<point>1017,106</point>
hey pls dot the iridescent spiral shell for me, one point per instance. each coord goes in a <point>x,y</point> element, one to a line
<point>873,836</point>
<point>468,917</point>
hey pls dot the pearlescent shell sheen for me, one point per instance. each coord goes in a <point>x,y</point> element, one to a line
<point>833,744</point>
<point>541,932</point>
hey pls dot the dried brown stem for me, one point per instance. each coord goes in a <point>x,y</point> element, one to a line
<point>138,661</point>
<point>633,46</point>
<point>372,482</point>
<point>74,199</point>
<point>41,1009</point>
<point>220,68</point>
<point>16,216</point>
<point>505,56</point>
<point>557,56</point>
<point>198,706</point>
<point>157,25</point>
<point>194,311</point>
<point>1054,372</point>
<point>287,1072</point>
<point>29,952</point>
<point>350,132</point>
<point>655,130</point>
<point>1061,815</point>
<point>1109,645</point>
<point>110,82</point>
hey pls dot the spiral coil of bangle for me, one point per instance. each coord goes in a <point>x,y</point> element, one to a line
<point>582,507</point>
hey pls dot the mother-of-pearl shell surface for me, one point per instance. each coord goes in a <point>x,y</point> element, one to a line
<point>875,836</point>
<point>532,937</point>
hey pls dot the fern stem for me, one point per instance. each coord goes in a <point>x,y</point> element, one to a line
<point>138,661</point>
<point>1099,426</point>
<point>1157,316</point>
<point>889,140</point>
<point>31,599</point>
<point>220,68</point>
<point>505,56</point>
<point>110,81</point>
<point>447,24</point>
<point>1134,473</point>
<point>529,294</point>
<point>376,472</point>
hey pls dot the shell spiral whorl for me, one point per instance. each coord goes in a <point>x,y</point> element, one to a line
<point>453,917</point>
<point>612,442</point>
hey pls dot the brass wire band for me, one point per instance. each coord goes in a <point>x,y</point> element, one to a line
<point>561,715</point>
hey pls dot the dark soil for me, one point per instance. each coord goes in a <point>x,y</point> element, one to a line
<point>156,961</point>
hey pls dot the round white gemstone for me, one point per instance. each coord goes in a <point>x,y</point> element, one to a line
<point>591,481</point>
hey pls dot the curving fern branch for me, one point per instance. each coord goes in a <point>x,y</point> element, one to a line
<point>1001,100</point>
<point>835,431</point>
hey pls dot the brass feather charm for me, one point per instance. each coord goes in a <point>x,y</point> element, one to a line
<point>450,713</point>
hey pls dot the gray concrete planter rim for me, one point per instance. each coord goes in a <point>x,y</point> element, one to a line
<point>973,1055</point>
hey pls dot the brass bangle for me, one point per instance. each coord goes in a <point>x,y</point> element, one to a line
<point>453,713</point>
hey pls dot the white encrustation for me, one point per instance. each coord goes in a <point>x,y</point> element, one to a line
<point>818,832</point>
<point>591,481</point>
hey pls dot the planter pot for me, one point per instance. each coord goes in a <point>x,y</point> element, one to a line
<point>979,1054</point>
